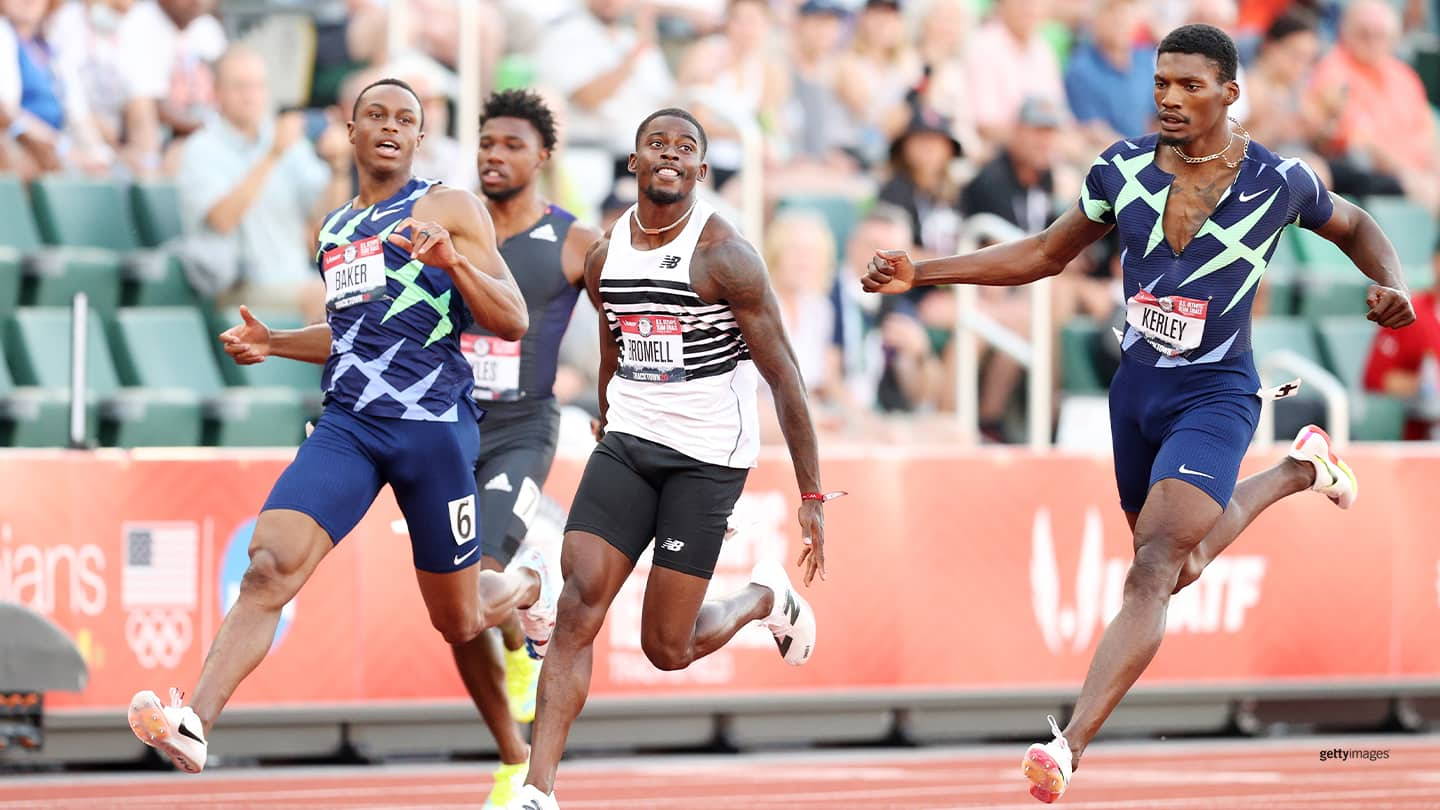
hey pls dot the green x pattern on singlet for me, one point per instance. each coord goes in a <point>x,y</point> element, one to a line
<point>1133,190</point>
<point>1236,250</point>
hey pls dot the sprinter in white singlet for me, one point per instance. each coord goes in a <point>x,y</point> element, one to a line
<point>689,326</point>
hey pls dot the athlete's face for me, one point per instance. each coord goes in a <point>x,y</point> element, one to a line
<point>667,161</point>
<point>386,130</point>
<point>511,151</point>
<point>1190,97</point>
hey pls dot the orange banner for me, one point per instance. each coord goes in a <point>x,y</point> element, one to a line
<point>940,567</point>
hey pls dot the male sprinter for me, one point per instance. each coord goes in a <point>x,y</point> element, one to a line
<point>398,411</point>
<point>1199,208</point>
<point>689,318</point>
<point>545,248</point>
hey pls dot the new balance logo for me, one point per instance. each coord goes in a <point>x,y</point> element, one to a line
<point>500,483</point>
<point>532,805</point>
<point>672,545</point>
<point>545,233</point>
<point>784,644</point>
<point>670,262</point>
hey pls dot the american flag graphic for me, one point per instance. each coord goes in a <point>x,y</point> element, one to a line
<point>161,565</point>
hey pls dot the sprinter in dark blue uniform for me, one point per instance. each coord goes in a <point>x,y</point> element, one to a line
<point>513,380</point>
<point>1199,208</point>
<point>407,266</point>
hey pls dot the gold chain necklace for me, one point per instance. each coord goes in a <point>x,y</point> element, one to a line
<point>653,231</point>
<point>1244,152</point>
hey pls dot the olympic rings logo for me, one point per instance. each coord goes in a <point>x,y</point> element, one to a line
<point>158,636</point>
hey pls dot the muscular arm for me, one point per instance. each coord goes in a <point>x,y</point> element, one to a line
<point>1019,262</point>
<point>575,253</point>
<point>736,274</point>
<point>479,272</point>
<point>308,344</point>
<point>1360,238</point>
<point>609,351</point>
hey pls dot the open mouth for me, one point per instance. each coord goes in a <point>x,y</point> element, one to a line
<point>1171,121</point>
<point>668,172</point>
<point>387,147</point>
<point>492,175</point>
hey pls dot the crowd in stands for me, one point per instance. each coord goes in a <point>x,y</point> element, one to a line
<point>928,124</point>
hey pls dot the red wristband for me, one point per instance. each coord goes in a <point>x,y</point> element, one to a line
<point>822,496</point>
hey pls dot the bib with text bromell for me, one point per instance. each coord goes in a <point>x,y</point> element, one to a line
<point>354,273</point>
<point>1172,324</point>
<point>651,348</point>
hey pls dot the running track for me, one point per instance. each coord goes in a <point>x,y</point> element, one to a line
<point>1228,775</point>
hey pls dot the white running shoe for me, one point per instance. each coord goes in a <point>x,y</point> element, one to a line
<point>791,620</point>
<point>173,730</point>
<point>538,620</point>
<point>1333,477</point>
<point>1047,766</point>
<point>531,798</point>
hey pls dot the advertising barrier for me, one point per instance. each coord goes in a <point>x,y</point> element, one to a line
<point>941,569</point>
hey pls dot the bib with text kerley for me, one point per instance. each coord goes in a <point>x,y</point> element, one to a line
<point>1172,324</point>
<point>354,273</point>
<point>496,364</point>
<point>651,348</point>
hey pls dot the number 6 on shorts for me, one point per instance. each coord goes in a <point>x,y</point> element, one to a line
<point>462,519</point>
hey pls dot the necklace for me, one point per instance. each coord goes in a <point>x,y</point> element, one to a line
<point>653,231</point>
<point>1244,152</point>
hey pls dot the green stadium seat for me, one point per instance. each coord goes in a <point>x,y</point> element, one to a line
<point>1078,374</point>
<point>304,378</point>
<point>81,212</point>
<point>57,275</point>
<point>154,278</point>
<point>170,347</point>
<point>1276,332</point>
<point>842,213</point>
<point>39,340</point>
<point>1413,231</point>
<point>10,281</point>
<point>1279,290</point>
<point>157,212</point>
<point>1329,283</point>
<point>1345,341</point>
<point>17,222</point>
<point>31,416</point>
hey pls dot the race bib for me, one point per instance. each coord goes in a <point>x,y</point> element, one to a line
<point>354,273</point>
<point>651,348</point>
<point>1172,324</point>
<point>496,364</point>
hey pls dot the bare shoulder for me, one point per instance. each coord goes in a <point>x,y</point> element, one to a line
<point>726,266</point>
<point>455,208</point>
<point>575,254</point>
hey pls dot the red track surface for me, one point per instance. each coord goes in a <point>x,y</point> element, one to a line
<point>1268,775</point>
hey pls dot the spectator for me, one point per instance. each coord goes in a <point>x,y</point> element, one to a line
<point>52,121</point>
<point>732,82</point>
<point>166,48</point>
<point>944,36</point>
<point>1280,116</point>
<point>800,254</point>
<point>1381,138</point>
<point>816,129</point>
<point>875,75</point>
<point>252,191</point>
<point>85,35</point>
<point>431,30</point>
<point>611,74</point>
<point>1406,363</point>
<point>439,157</point>
<point>885,351</point>
<point>1110,76</point>
<point>1015,61</point>
<point>922,184</point>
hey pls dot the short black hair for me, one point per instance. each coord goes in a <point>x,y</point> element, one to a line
<point>1207,41</point>
<point>1295,21</point>
<point>419,105</point>
<point>672,112</point>
<point>525,105</point>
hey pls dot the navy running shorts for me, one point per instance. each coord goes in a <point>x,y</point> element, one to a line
<point>1193,423</point>
<point>635,490</point>
<point>517,448</point>
<point>430,466</point>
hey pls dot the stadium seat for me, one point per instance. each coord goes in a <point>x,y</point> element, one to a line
<point>1077,356</point>
<point>303,378</point>
<point>1329,283</point>
<point>170,347</point>
<point>1413,230</point>
<point>57,275</point>
<point>1277,332</point>
<point>1279,287</point>
<point>840,212</point>
<point>17,222</point>
<point>31,416</point>
<point>82,212</point>
<point>1345,341</point>
<point>157,212</point>
<point>38,339</point>
<point>10,278</point>
<point>155,279</point>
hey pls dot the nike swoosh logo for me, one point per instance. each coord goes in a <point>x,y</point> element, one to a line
<point>1252,195</point>
<point>377,213</point>
<point>460,559</point>
<point>1187,471</point>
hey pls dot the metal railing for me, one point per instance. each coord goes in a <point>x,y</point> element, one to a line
<point>1285,362</point>
<point>79,337</point>
<point>972,325</point>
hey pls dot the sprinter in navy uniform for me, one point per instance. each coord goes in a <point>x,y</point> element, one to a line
<point>408,265</point>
